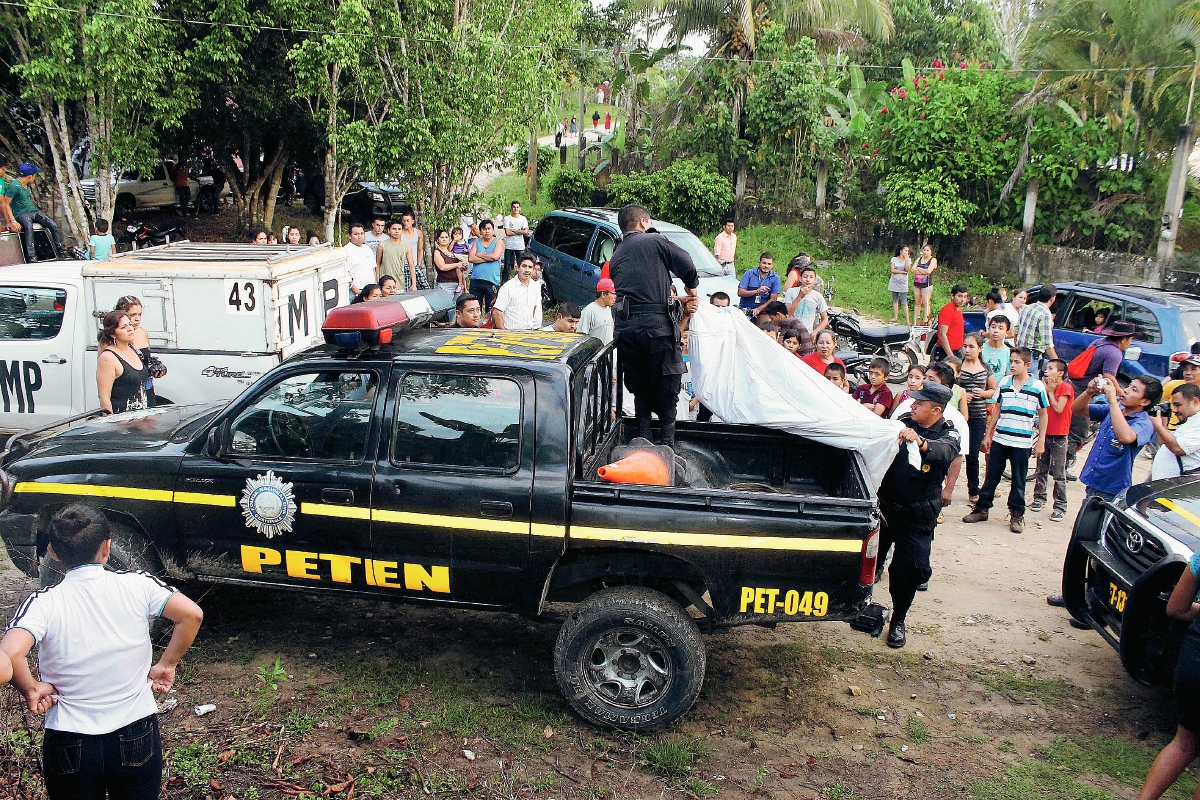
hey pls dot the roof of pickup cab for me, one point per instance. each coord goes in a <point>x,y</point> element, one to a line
<point>187,260</point>
<point>452,344</point>
<point>212,259</point>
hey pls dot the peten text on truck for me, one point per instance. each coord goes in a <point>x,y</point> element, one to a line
<point>219,316</point>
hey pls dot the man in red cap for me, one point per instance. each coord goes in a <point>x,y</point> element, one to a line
<point>597,318</point>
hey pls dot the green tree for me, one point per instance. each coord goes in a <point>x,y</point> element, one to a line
<point>926,202</point>
<point>105,77</point>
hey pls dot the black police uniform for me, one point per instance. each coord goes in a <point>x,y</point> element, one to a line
<point>647,337</point>
<point>910,500</point>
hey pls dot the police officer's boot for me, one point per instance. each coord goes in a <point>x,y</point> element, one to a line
<point>644,427</point>
<point>668,434</point>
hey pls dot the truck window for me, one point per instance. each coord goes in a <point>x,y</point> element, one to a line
<point>465,421</point>
<point>322,416</point>
<point>28,312</point>
<point>1087,313</point>
<point>596,421</point>
<point>544,231</point>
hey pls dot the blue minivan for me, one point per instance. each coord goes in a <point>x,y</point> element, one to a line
<point>575,243</point>
<point>1168,323</point>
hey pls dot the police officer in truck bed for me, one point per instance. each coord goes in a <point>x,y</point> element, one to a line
<point>647,317</point>
<point>910,499</point>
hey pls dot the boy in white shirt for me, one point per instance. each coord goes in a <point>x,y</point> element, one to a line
<point>807,304</point>
<point>94,654</point>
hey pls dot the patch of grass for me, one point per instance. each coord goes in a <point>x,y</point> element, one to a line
<point>702,788</point>
<point>1056,691</point>
<point>1116,757</point>
<point>917,730</point>
<point>840,791</point>
<point>542,784</point>
<point>781,241</point>
<point>272,676</point>
<point>298,723</point>
<point>673,758</point>
<point>510,186</point>
<point>194,763</point>
<point>795,659</point>
<point>760,778</point>
<point>1006,746</point>
<point>1036,780</point>
<point>862,284</point>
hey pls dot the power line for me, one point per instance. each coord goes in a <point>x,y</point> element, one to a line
<point>593,51</point>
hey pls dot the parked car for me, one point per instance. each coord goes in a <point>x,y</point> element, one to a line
<point>1122,564</point>
<point>375,199</point>
<point>152,188</point>
<point>575,243</point>
<point>1168,323</point>
<point>462,469</point>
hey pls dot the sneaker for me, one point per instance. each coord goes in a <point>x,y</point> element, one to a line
<point>976,516</point>
<point>941,518</point>
<point>1017,525</point>
<point>1083,626</point>
<point>1057,600</point>
<point>1057,515</point>
<point>923,587</point>
<point>1037,505</point>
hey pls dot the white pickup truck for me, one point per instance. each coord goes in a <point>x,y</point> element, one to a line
<point>218,317</point>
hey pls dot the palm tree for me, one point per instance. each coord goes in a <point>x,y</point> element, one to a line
<point>733,25</point>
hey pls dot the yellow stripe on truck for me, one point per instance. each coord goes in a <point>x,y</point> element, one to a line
<point>1183,512</point>
<point>94,490</point>
<point>677,538</point>
<point>716,540</point>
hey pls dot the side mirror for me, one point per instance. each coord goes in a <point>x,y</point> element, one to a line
<point>212,444</point>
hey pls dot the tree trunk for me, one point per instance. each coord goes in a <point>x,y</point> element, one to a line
<point>822,182</point>
<point>66,179</point>
<point>533,166</point>
<point>1031,194</point>
<point>273,192</point>
<point>1176,190</point>
<point>582,103</point>
<point>739,101</point>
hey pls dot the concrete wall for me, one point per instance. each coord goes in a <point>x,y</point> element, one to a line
<point>998,256</point>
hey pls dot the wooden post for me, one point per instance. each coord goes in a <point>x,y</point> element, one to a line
<point>822,182</point>
<point>1173,208</point>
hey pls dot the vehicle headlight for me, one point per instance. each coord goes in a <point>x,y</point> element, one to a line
<point>376,196</point>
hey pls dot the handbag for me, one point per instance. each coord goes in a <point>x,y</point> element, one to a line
<point>157,368</point>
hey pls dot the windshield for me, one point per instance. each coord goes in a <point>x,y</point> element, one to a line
<point>706,263</point>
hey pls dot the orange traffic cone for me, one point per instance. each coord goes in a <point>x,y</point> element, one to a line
<point>641,467</point>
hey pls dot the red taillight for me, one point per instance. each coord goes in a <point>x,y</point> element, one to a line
<point>870,554</point>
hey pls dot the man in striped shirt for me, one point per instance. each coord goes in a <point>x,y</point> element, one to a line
<point>1035,326</point>
<point>1017,432</point>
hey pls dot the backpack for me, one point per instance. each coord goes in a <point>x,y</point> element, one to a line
<point>1079,365</point>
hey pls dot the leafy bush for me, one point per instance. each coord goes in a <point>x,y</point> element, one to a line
<point>685,193</point>
<point>926,202</point>
<point>547,157</point>
<point>570,187</point>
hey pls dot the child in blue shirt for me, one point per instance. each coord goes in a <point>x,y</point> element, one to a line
<point>101,243</point>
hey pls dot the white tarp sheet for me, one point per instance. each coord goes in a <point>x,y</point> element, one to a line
<point>744,376</point>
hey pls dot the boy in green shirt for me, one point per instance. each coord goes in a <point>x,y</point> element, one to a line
<point>26,212</point>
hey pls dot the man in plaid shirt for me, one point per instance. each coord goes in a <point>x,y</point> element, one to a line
<point>1035,327</point>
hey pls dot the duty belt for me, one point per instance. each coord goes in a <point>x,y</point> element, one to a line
<point>636,309</point>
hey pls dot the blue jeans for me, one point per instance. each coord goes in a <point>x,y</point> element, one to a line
<point>1090,492</point>
<point>27,221</point>
<point>125,764</point>
<point>450,287</point>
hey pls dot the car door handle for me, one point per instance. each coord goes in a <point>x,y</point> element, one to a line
<point>340,496</point>
<point>495,509</point>
<point>53,359</point>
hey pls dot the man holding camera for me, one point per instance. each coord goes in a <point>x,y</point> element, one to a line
<point>1125,428</point>
<point>1179,451</point>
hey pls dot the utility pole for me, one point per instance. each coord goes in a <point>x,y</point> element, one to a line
<point>533,166</point>
<point>1173,207</point>
<point>582,102</point>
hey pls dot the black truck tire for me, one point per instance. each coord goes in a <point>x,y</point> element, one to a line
<point>630,658</point>
<point>128,551</point>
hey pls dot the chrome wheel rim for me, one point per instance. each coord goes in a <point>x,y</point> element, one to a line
<point>628,668</point>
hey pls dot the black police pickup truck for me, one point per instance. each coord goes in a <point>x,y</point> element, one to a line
<point>459,467</point>
<point>1122,563</point>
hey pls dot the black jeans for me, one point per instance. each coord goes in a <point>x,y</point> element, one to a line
<point>183,196</point>
<point>125,764</point>
<point>486,292</point>
<point>511,259</point>
<point>1001,455</point>
<point>977,428</point>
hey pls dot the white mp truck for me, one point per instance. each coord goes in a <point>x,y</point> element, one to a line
<point>218,317</point>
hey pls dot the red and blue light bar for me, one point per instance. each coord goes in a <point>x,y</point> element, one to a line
<point>375,322</point>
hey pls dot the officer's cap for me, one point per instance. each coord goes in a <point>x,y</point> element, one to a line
<point>933,392</point>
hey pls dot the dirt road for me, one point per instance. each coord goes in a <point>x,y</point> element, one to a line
<point>994,697</point>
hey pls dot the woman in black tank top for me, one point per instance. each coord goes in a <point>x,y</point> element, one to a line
<point>120,372</point>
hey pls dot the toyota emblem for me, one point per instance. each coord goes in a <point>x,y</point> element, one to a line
<point>1134,542</point>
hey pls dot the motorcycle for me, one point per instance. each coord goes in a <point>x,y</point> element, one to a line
<point>899,344</point>
<point>138,233</point>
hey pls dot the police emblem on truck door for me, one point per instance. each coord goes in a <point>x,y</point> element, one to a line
<point>268,505</point>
